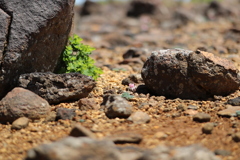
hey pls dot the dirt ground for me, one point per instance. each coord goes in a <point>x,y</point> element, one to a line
<point>112,34</point>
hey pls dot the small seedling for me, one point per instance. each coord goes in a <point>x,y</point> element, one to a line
<point>76,59</point>
<point>127,96</point>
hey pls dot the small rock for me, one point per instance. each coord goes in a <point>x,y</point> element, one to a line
<point>192,107</point>
<point>222,152</point>
<point>80,131</point>
<point>201,117</point>
<point>75,148</point>
<point>136,78</point>
<point>234,102</point>
<point>125,138</point>
<point>65,113</point>
<point>22,103</point>
<point>236,137</point>
<point>182,107</point>
<point>190,112</point>
<point>116,106</point>
<point>56,88</point>
<point>229,112</point>
<point>208,128</point>
<point>20,123</point>
<point>160,135</point>
<point>139,117</point>
<point>88,104</point>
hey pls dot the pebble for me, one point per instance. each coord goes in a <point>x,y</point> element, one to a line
<point>182,107</point>
<point>80,131</point>
<point>139,117</point>
<point>222,152</point>
<point>20,123</point>
<point>192,107</point>
<point>125,138</point>
<point>229,112</point>
<point>236,137</point>
<point>208,128</point>
<point>234,101</point>
<point>51,117</point>
<point>65,113</point>
<point>88,104</point>
<point>201,117</point>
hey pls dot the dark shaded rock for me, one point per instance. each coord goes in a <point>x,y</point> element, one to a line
<point>236,137</point>
<point>65,113</point>
<point>216,10</point>
<point>56,88</point>
<point>201,117</point>
<point>139,7</point>
<point>80,131</point>
<point>89,8</point>
<point>85,104</point>
<point>179,73</point>
<point>208,128</point>
<point>142,89</point>
<point>20,123</point>
<point>222,152</point>
<point>73,148</point>
<point>139,117</point>
<point>125,138</point>
<point>234,101</point>
<point>127,81</point>
<point>116,106</point>
<point>37,35</point>
<point>22,103</point>
<point>179,153</point>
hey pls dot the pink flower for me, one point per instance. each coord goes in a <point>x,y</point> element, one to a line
<point>132,86</point>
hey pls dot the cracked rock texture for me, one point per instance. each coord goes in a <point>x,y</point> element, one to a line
<point>178,73</point>
<point>56,88</point>
<point>33,36</point>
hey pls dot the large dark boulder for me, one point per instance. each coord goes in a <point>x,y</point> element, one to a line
<point>56,88</point>
<point>178,73</point>
<point>34,33</point>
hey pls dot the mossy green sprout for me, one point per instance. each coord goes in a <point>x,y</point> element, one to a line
<point>76,59</point>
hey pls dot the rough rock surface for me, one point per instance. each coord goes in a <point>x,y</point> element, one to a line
<point>65,113</point>
<point>178,73</point>
<point>35,37</point>
<point>75,149</point>
<point>116,106</point>
<point>56,88</point>
<point>22,103</point>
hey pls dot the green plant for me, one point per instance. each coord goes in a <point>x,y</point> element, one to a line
<point>76,59</point>
<point>127,96</point>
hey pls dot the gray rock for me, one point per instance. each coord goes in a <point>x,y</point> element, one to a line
<point>80,131</point>
<point>208,128</point>
<point>234,101</point>
<point>56,88</point>
<point>125,138</point>
<point>22,103</point>
<point>236,137</point>
<point>201,117</point>
<point>222,152</point>
<point>73,148</point>
<point>139,117</point>
<point>179,73</point>
<point>37,35</point>
<point>179,153</point>
<point>20,123</point>
<point>65,113</point>
<point>116,106</point>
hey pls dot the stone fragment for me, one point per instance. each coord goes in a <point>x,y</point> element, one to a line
<point>37,34</point>
<point>80,131</point>
<point>222,152</point>
<point>125,138</point>
<point>56,88</point>
<point>22,103</point>
<point>139,7</point>
<point>139,117</point>
<point>234,101</point>
<point>20,123</point>
<point>51,117</point>
<point>229,112</point>
<point>236,137</point>
<point>179,73</point>
<point>201,117</point>
<point>116,106</point>
<point>208,128</point>
<point>73,148</point>
<point>90,8</point>
<point>85,104</point>
<point>65,113</point>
